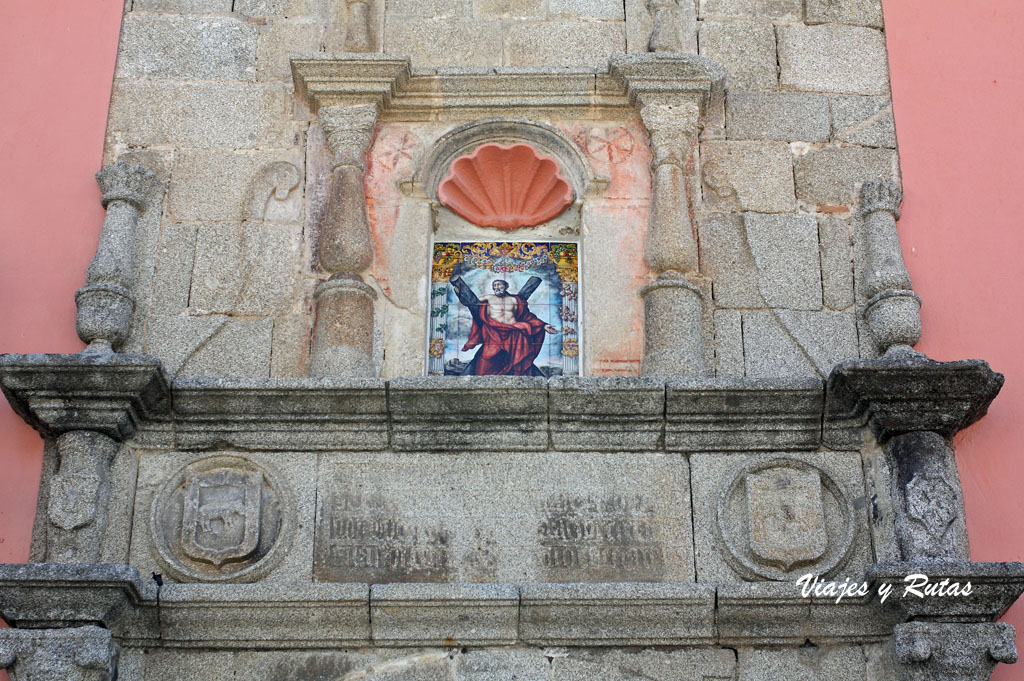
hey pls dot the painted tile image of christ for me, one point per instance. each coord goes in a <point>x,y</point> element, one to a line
<point>510,337</point>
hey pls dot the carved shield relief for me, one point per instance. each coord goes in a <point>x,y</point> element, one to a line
<point>73,499</point>
<point>221,515</point>
<point>786,516</point>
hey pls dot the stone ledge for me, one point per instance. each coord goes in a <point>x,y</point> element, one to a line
<point>707,415</point>
<point>630,614</point>
<point>68,595</point>
<point>909,392</point>
<point>607,414</point>
<point>444,614</point>
<point>110,394</point>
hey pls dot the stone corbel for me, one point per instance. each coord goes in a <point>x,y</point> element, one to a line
<point>106,302</point>
<point>924,651</point>
<point>343,334</point>
<point>893,310</point>
<point>79,654</point>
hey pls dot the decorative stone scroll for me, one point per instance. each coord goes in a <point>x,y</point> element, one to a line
<point>343,334</point>
<point>106,302</point>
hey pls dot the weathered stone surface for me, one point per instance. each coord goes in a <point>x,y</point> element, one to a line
<point>504,665</point>
<point>857,12</point>
<point>674,327</point>
<point>276,8</point>
<point>777,116</point>
<point>39,595</point>
<point>742,414</point>
<point>282,39</point>
<point>289,355</point>
<point>445,42</point>
<point>587,9</point>
<point>934,650</point>
<point>793,343</point>
<point>836,263</point>
<point>763,10</point>
<point>216,184</point>
<point>184,6</point>
<point>785,251</point>
<point>444,614</point>
<point>833,58</point>
<point>754,176</point>
<point>564,43</point>
<point>172,277</point>
<point>561,518</point>
<point>866,121</point>
<point>79,654</point>
<point>186,47</point>
<point>777,517</point>
<point>636,614</point>
<point>811,663</point>
<point>728,344</point>
<point>248,268</point>
<point>274,543</point>
<point>281,414</point>
<point>578,664</point>
<point>745,49</point>
<point>725,257</point>
<point>607,414</point>
<point>830,176</point>
<point>211,346</point>
<point>205,114</point>
<point>510,9</point>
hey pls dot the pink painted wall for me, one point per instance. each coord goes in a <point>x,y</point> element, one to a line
<point>958,102</point>
<point>958,99</point>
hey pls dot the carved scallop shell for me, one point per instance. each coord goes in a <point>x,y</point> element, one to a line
<point>505,187</point>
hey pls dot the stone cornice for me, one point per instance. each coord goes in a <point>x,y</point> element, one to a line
<point>405,94</point>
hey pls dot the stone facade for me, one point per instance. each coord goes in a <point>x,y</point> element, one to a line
<point>251,472</point>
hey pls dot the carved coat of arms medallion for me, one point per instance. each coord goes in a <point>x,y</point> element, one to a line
<point>221,515</point>
<point>73,499</point>
<point>222,518</point>
<point>781,517</point>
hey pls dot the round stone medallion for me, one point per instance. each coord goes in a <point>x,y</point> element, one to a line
<point>222,518</point>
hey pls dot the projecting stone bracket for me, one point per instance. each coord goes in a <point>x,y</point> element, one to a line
<point>80,654</point>
<point>924,651</point>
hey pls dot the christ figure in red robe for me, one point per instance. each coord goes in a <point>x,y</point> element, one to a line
<point>509,334</point>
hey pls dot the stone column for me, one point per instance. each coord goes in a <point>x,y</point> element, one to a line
<point>673,306</point>
<point>893,310</point>
<point>343,334</point>
<point>78,654</point>
<point>79,492</point>
<point>925,651</point>
<point>106,302</point>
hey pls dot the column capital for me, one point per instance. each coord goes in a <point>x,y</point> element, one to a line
<point>673,129</point>
<point>349,130</point>
<point>880,195</point>
<point>131,183</point>
<point>956,651</point>
<point>79,654</point>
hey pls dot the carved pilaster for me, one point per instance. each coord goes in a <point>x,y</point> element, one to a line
<point>357,29</point>
<point>343,335</point>
<point>106,302</point>
<point>80,654</point>
<point>79,493</point>
<point>673,306</point>
<point>893,309</point>
<point>925,651</point>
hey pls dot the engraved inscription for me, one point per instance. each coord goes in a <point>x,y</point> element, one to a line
<point>368,539</point>
<point>610,537</point>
